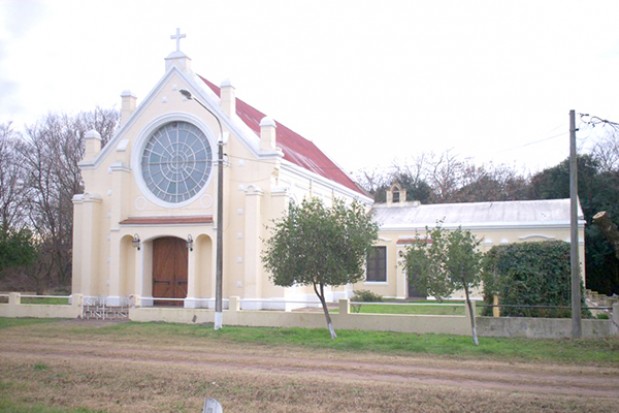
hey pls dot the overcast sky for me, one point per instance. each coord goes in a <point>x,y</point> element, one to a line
<point>370,82</point>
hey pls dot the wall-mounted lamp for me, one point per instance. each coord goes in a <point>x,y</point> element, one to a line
<point>189,242</point>
<point>136,242</point>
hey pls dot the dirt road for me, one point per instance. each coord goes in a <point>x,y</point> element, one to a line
<point>175,375</point>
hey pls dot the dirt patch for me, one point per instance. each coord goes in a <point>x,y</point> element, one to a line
<point>117,374</point>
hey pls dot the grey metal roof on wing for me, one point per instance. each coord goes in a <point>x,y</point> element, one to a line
<point>550,212</point>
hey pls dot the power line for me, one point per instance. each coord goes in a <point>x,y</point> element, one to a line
<point>596,120</point>
<point>544,139</point>
<point>535,142</point>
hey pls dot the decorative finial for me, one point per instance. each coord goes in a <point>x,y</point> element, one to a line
<point>178,36</point>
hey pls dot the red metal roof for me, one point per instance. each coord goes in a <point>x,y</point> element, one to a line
<point>296,148</point>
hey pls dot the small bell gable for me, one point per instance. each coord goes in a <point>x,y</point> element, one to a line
<point>396,194</point>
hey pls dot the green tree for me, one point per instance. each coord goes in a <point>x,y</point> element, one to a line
<point>319,246</point>
<point>16,248</point>
<point>445,261</point>
<point>597,191</point>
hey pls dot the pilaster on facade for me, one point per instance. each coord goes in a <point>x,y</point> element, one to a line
<point>87,243</point>
<point>252,242</point>
<point>121,175</point>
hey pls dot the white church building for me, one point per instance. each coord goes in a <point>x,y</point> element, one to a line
<point>146,227</point>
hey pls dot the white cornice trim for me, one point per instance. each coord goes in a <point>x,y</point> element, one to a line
<point>339,188</point>
<point>483,225</point>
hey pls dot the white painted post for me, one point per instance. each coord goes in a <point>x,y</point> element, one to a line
<point>614,327</point>
<point>234,303</point>
<point>344,306</point>
<point>14,298</point>
<point>212,406</point>
<point>77,300</point>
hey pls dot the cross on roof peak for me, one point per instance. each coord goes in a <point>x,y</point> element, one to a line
<point>178,36</point>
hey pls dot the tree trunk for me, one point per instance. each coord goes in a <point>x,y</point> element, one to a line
<point>321,297</point>
<point>608,228</point>
<point>471,315</point>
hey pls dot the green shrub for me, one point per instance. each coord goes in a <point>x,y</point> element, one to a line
<point>532,279</point>
<point>366,296</point>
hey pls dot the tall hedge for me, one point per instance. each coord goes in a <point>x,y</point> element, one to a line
<point>529,274</point>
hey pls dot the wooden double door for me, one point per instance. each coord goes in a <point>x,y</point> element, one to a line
<point>169,270</point>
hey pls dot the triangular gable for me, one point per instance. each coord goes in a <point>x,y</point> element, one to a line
<point>297,150</point>
<point>120,134</point>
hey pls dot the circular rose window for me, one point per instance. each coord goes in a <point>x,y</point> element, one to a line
<point>176,162</point>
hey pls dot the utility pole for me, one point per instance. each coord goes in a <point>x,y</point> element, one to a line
<point>218,319</point>
<point>220,230</point>
<point>574,242</point>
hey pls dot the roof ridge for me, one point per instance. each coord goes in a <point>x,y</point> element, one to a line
<point>297,149</point>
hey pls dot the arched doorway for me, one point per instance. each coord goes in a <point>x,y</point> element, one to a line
<point>169,270</point>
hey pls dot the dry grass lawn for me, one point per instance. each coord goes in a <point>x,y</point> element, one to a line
<point>50,365</point>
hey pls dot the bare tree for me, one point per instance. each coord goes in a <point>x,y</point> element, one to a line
<point>445,174</point>
<point>371,180</point>
<point>11,180</point>
<point>17,246</point>
<point>104,121</point>
<point>432,178</point>
<point>50,154</point>
<point>490,183</point>
<point>606,151</point>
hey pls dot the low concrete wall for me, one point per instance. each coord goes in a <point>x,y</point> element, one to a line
<point>16,309</point>
<point>375,322</point>
<point>541,327</point>
<point>419,324</point>
<point>343,320</point>
<point>171,315</point>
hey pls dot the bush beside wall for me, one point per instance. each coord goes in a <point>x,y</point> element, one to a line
<point>528,276</point>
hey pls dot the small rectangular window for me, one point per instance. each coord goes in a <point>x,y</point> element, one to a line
<point>377,265</point>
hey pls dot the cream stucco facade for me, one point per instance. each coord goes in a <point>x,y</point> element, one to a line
<point>133,244</point>
<point>121,220</point>
<point>494,223</point>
